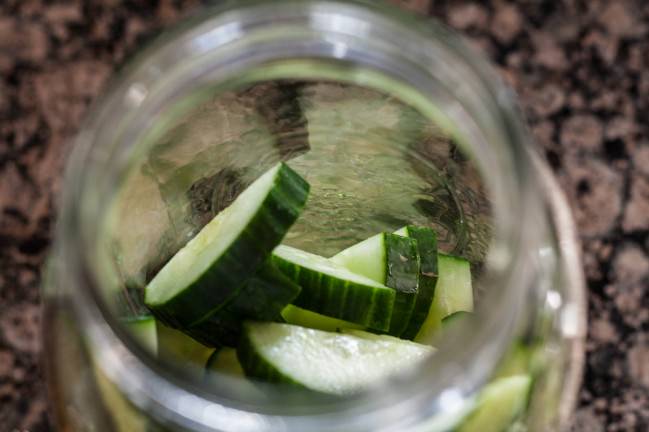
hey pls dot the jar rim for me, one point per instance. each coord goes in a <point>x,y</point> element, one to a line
<point>214,30</point>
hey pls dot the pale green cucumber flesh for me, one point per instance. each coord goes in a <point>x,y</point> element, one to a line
<point>224,360</point>
<point>381,337</point>
<point>392,260</point>
<point>366,258</point>
<point>523,358</point>
<point>262,298</point>
<point>332,290</point>
<point>177,348</point>
<point>453,293</point>
<point>305,318</point>
<point>403,231</point>
<point>455,316</point>
<point>209,270</point>
<point>326,362</point>
<point>427,247</point>
<point>499,404</point>
<point>143,329</point>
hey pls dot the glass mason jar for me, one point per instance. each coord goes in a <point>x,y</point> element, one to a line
<point>392,120</point>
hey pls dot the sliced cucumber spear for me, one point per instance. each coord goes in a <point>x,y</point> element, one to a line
<point>332,290</point>
<point>455,316</point>
<point>262,298</point>
<point>453,293</point>
<point>135,316</point>
<point>427,247</point>
<point>402,274</point>
<point>367,258</point>
<point>209,270</point>
<point>224,360</point>
<point>392,260</point>
<point>522,358</point>
<point>176,347</point>
<point>143,329</point>
<point>332,363</point>
<point>498,405</point>
<point>305,318</point>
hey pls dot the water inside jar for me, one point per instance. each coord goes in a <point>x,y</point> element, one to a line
<point>374,164</point>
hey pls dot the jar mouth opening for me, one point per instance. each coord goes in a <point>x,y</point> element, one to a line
<point>419,63</point>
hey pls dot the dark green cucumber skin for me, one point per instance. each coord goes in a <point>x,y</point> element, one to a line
<point>242,259</point>
<point>262,298</point>
<point>402,274</point>
<point>220,329</point>
<point>427,247</point>
<point>256,366</point>
<point>339,298</point>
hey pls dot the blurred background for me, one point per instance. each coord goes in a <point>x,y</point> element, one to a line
<point>580,68</point>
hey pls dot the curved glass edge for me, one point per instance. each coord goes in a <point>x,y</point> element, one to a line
<point>572,310</point>
<point>97,329</point>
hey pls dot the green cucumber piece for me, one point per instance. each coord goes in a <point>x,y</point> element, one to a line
<point>177,348</point>
<point>427,247</point>
<point>392,260</point>
<point>143,329</point>
<point>453,293</point>
<point>367,258</point>
<point>209,270</point>
<point>455,316</point>
<point>224,360</point>
<point>305,318</point>
<point>377,337</point>
<point>262,298</point>
<point>325,362</point>
<point>130,308</point>
<point>499,404</point>
<point>402,274</point>
<point>517,361</point>
<point>332,290</point>
<point>522,358</point>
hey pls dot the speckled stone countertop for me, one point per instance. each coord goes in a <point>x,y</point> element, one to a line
<point>581,69</point>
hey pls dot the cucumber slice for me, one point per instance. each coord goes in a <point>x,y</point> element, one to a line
<point>392,260</point>
<point>210,269</point>
<point>302,317</point>
<point>177,348</point>
<point>330,289</point>
<point>262,298</point>
<point>499,404</point>
<point>455,316</point>
<point>143,329</point>
<point>224,360</point>
<point>402,274</point>
<point>516,362</point>
<point>332,363</point>
<point>367,258</point>
<point>427,247</point>
<point>453,293</point>
<point>522,358</point>
<point>377,337</point>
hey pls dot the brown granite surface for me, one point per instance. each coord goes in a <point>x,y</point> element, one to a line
<point>580,67</point>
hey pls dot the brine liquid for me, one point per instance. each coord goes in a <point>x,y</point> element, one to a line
<point>374,164</point>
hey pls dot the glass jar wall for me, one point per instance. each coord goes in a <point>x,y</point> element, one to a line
<point>392,121</point>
